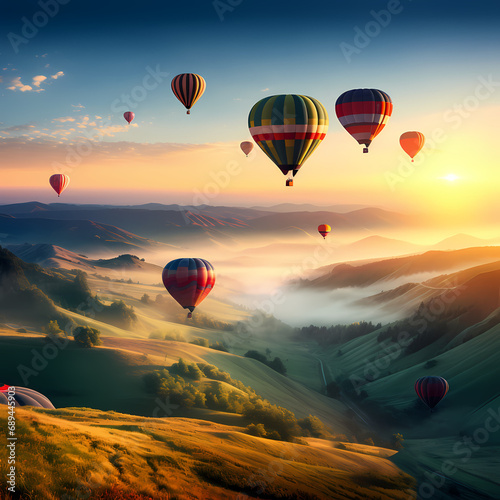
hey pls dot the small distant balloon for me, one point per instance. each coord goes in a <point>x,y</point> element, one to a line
<point>412,143</point>
<point>188,88</point>
<point>59,183</point>
<point>189,281</point>
<point>431,390</point>
<point>246,147</point>
<point>24,397</point>
<point>129,116</point>
<point>324,229</point>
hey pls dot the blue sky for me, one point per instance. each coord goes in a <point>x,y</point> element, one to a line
<point>104,48</point>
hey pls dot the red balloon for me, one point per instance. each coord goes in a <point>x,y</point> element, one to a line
<point>129,116</point>
<point>59,183</point>
<point>431,390</point>
<point>189,281</point>
<point>246,147</point>
<point>324,229</point>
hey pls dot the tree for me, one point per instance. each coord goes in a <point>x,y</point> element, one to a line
<point>86,336</point>
<point>145,299</point>
<point>256,355</point>
<point>277,365</point>
<point>52,329</point>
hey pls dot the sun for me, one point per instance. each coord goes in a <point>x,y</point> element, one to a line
<point>450,177</point>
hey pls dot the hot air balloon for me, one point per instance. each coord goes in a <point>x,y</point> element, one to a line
<point>246,147</point>
<point>412,143</point>
<point>364,113</point>
<point>188,88</point>
<point>431,390</point>
<point>59,183</point>
<point>189,281</point>
<point>24,397</point>
<point>129,116</point>
<point>288,128</point>
<point>324,229</point>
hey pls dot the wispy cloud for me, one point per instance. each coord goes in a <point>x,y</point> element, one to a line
<point>64,119</point>
<point>57,75</point>
<point>264,90</point>
<point>78,107</point>
<point>18,128</point>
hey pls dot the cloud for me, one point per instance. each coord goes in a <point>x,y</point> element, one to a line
<point>78,107</point>
<point>64,119</point>
<point>18,128</point>
<point>18,85</point>
<point>57,75</point>
<point>37,80</point>
<point>264,90</point>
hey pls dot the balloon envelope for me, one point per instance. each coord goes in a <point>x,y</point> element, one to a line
<point>129,116</point>
<point>188,88</point>
<point>412,143</point>
<point>189,281</point>
<point>288,128</point>
<point>324,229</point>
<point>25,397</point>
<point>364,113</point>
<point>246,147</point>
<point>431,390</point>
<point>59,183</point>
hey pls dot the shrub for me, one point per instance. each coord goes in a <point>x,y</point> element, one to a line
<point>85,336</point>
<point>256,430</point>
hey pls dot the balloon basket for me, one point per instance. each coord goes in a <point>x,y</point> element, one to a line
<point>365,150</point>
<point>289,182</point>
<point>188,112</point>
<point>190,315</point>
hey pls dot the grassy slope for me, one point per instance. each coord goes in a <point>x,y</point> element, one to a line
<point>77,450</point>
<point>472,370</point>
<point>116,370</point>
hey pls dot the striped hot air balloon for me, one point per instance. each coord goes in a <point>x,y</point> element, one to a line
<point>364,113</point>
<point>23,397</point>
<point>431,390</point>
<point>188,88</point>
<point>288,128</point>
<point>189,281</point>
<point>59,183</point>
<point>129,116</point>
<point>412,143</point>
<point>324,229</point>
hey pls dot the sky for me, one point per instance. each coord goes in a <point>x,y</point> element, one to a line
<point>70,68</point>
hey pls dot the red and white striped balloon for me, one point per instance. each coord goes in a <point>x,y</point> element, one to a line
<point>59,183</point>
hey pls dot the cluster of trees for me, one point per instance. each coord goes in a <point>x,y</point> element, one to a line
<point>84,336</point>
<point>218,346</point>
<point>276,364</point>
<point>180,383</point>
<point>336,334</point>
